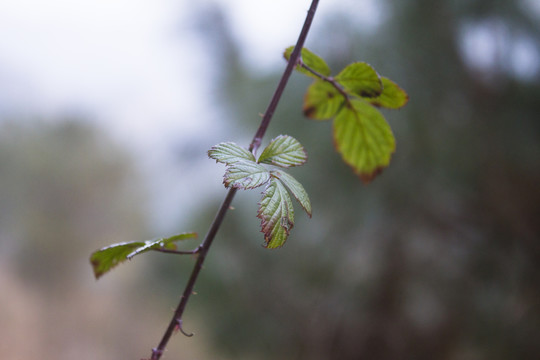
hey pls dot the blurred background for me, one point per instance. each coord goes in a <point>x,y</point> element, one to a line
<point>107,109</point>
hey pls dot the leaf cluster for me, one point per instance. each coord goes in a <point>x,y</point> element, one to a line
<point>361,135</point>
<point>245,172</point>
<point>352,98</point>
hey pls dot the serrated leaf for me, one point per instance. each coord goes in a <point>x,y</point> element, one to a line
<point>295,188</point>
<point>105,259</point>
<point>364,139</point>
<point>245,175</point>
<point>392,96</point>
<point>322,100</point>
<point>311,60</point>
<point>276,213</point>
<point>284,151</point>
<point>229,153</point>
<point>360,79</point>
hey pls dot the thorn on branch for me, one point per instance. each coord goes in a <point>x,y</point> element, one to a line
<point>156,353</point>
<point>176,321</point>
<point>179,328</point>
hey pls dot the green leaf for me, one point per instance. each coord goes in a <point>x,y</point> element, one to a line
<point>276,214</point>
<point>284,151</point>
<point>103,260</point>
<point>245,175</point>
<point>364,139</point>
<point>322,101</point>
<point>311,60</point>
<point>229,153</point>
<point>392,96</point>
<point>295,188</point>
<point>360,79</point>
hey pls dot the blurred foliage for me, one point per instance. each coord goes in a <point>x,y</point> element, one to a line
<point>438,258</point>
<point>63,185</point>
<point>65,189</point>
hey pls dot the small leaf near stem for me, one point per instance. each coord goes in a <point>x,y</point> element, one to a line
<point>360,79</point>
<point>309,60</point>
<point>392,96</point>
<point>229,153</point>
<point>245,175</point>
<point>276,213</point>
<point>295,188</point>
<point>364,139</point>
<point>284,151</point>
<point>105,259</point>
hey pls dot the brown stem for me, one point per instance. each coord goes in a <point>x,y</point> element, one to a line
<point>176,321</point>
<point>180,252</point>
<point>293,61</point>
<point>328,79</point>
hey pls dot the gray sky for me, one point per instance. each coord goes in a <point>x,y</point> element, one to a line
<point>125,62</point>
<point>134,68</point>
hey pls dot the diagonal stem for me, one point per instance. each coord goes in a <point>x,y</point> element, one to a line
<point>179,252</point>
<point>176,321</point>
<point>293,61</point>
<point>328,79</point>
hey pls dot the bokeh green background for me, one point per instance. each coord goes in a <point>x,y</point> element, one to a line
<point>438,258</point>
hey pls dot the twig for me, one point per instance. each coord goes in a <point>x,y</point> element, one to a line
<point>293,61</point>
<point>328,79</point>
<point>176,321</point>
<point>180,252</point>
<point>177,318</point>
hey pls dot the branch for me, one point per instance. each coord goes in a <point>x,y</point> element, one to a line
<point>328,79</point>
<point>176,321</point>
<point>295,56</point>
<point>179,252</point>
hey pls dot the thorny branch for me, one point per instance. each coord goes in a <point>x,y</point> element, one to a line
<point>202,250</point>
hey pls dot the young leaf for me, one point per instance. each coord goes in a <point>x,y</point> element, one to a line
<point>311,60</point>
<point>360,79</point>
<point>392,96</point>
<point>364,139</point>
<point>245,175</point>
<point>229,153</point>
<point>295,188</point>
<point>284,151</point>
<point>322,101</point>
<point>276,214</point>
<point>103,260</point>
